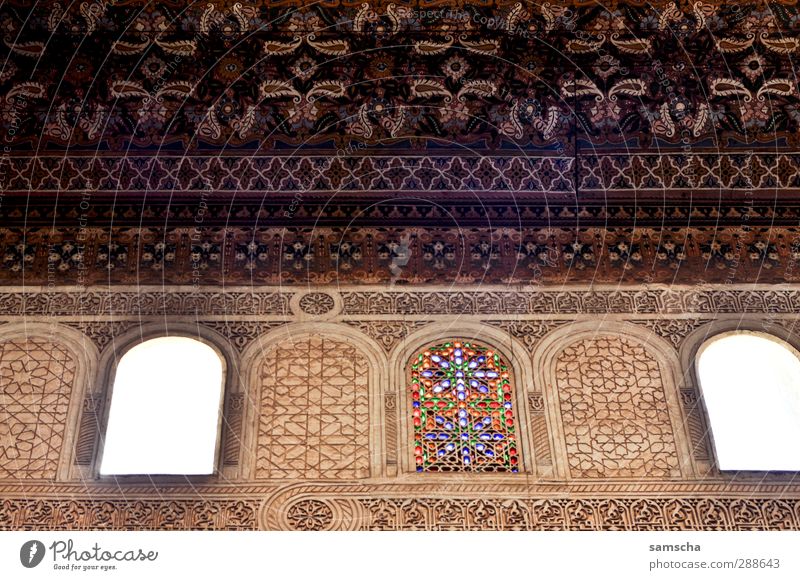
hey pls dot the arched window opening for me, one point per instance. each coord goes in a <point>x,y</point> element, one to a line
<point>462,410</point>
<point>751,388</point>
<point>165,410</point>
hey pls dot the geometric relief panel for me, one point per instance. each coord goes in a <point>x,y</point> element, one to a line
<point>614,411</point>
<point>36,379</point>
<point>314,411</point>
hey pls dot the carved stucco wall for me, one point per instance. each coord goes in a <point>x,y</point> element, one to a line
<point>614,410</point>
<point>611,425</point>
<point>313,419</point>
<point>36,379</point>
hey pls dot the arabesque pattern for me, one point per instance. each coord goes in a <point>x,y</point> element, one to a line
<point>540,74</point>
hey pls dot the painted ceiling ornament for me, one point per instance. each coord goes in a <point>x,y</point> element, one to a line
<point>266,59</point>
<point>755,110</point>
<point>84,22</point>
<point>705,14</point>
<point>227,24</point>
<point>670,15</point>
<point>558,16</point>
<point>381,25</point>
<point>608,110</point>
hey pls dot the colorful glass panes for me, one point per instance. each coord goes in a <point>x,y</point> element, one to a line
<point>462,410</point>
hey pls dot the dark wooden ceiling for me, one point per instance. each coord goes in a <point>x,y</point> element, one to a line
<point>647,124</point>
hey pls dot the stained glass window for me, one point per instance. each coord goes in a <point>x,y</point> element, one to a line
<point>462,411</point>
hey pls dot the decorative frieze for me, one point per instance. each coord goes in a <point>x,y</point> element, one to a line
<point>119,514</point>
<point>603,177</point>
<point>612,513</point>
<point>326,512</point>
<point>526,252</point>
<point>153,301</point>
<point>546,301</point>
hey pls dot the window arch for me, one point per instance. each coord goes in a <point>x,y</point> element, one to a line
<point>750,383</point>
<point>462,410</point>
<point>165,411</point>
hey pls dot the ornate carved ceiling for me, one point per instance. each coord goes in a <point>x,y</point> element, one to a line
<point>571,129</point>
<point>108,75</point>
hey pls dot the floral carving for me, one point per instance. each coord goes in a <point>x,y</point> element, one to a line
<point>316,303</point>
<point>674,330</point>
<point>387,332</point>
<point>310,515</point>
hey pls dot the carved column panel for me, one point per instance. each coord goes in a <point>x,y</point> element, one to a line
<point>89,428</point>
<point>698,428</point>
<point>540,434</point>
<point>390,417</point>
<point>232,432</point>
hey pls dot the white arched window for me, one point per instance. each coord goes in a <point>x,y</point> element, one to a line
<point>165,410</point>
<point>751,388</point>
